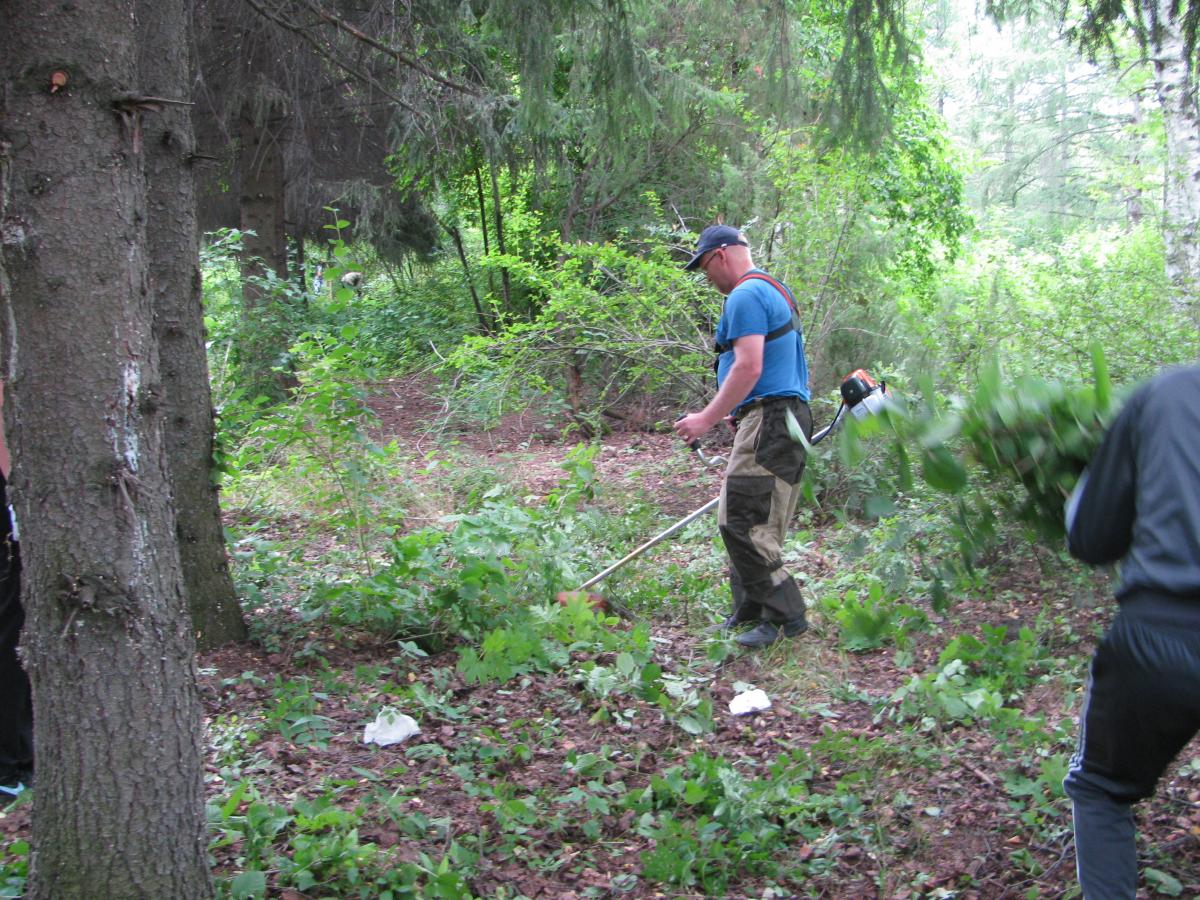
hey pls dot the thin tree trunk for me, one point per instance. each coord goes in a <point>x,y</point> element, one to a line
<point>1134,211</point>
<point>299,269</point>
<point>1175,86</point>
<point>498,213</point>
<point>483,227</point>
<point>173,245</point>
<point>456,236</point>
<point>118,808</point>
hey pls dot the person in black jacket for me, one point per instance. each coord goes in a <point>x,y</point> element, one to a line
<point>1138,502</point>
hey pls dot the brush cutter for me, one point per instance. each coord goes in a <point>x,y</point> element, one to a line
<point>861,395</point>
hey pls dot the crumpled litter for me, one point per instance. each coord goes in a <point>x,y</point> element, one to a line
<point>749,701</point>
<point>390,727</point>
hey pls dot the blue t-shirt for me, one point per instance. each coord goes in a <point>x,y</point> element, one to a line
<point>757,307</point>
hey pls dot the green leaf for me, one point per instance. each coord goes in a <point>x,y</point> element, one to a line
<point>878,506</point>
<point>796,432</point>
<point>942,470</point>
<point>1163,882</point>
<point>1100,373</point>
<point>235,798</point>
<point>248,885</point>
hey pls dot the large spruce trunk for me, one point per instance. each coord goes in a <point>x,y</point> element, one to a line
<point>118,808</point>
<point>260,163</point>
<point>173,245</point>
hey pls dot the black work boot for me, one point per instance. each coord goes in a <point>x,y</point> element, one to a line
<point>731,622</point>
<point>767,633</point>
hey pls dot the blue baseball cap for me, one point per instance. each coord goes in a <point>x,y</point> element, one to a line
<point>713,238</point>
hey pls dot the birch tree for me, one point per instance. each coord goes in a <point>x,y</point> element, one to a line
<point>1166,32</point>
<point>1171,53</point>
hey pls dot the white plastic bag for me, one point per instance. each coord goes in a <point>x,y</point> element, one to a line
<point>390,727</point>
<point>749,701</point>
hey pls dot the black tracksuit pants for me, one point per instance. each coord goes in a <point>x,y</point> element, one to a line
<point>1141,709</point>
<point>16,707</point>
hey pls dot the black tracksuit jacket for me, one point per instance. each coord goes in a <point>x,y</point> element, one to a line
<point>1141,501</point>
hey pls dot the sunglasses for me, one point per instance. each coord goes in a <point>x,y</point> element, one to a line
<point>708,258</point>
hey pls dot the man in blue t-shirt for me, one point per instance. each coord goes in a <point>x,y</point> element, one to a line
<point>762,376</point>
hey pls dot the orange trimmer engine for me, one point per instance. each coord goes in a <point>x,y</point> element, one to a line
<point>862,394</point>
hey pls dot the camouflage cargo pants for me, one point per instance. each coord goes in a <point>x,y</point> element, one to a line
<point>758,500</point>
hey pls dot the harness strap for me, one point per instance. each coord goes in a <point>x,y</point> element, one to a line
<point>793,324</point>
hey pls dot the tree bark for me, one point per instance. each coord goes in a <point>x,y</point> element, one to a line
<point>261,199</point>
<point>264,246</point>
<point>173,246</point>
<point>1175,87</point>
<point>118,810</point>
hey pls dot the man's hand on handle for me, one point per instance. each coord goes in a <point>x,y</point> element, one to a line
<point>692,426</point>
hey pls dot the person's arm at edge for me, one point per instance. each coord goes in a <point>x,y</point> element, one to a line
<point>739,381</point>
<point>1101,529</point>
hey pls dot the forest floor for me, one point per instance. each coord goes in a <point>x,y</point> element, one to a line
<point>544,786</point>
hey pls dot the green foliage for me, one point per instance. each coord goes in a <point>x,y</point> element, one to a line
<point>295,713</point>
<point>863,236</point>
<point>504,653</point>
<point>872,620</point>
<point>248,338</point>
<point>1007,666</point>
<point>478,571</point>
<point>711,823</point>
<point>622,320</point>
<point>315,847</point>
<point>973,681</point>
<point>14,869</point>
<point>1163,882</point>
<point>1040,796</point>
<point>1032,435</point>
<point>547,638</point>
<point>635,674</point>
<point>1041,308</point>
<point>1041,434</point>
<point>945,696</point>
<point>316,444</point>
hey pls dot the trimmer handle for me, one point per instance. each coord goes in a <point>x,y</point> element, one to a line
<point>694,446</point>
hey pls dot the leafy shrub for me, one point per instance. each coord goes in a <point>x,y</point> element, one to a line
<point>625,324</point>
<point>870,621</point>
<point>947,695</point>
<point>1029,440</point>
<point>1003,665</point>
<point>315,847</point>
<point>1041,307</point>
<point>14,870</point>
<point>710,822</point>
